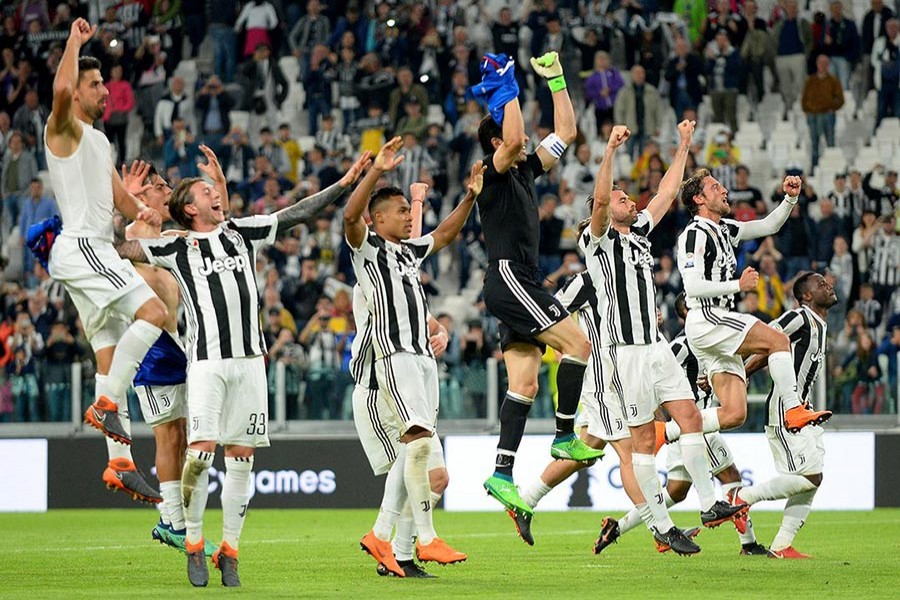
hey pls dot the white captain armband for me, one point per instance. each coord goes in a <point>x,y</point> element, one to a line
<point>554,145</point>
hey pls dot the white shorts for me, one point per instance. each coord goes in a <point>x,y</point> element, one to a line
<point>602,416</point>
<point>102,285</point>
<point>162,403</point>
<point>643,377</point>
<point>800,453</point>
<point>718,452</point>
<point>410,383</point>
<point>228,402</point>
<point>715,335</point>
<point>377,427</point>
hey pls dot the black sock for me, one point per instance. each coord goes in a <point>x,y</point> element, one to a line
<point>568,382</point>
<point>405,563</point>
<point>513,414</point>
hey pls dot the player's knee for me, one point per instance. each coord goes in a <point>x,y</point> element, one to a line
<point>581,348</point>
<point>816,479</point>
<point>677,492</point>
<point>527,389</point>
<point>154,312</point>
<point>732,416</point>
<point>439,480</point>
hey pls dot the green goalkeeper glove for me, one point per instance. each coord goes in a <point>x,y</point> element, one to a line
<point>550,68</point>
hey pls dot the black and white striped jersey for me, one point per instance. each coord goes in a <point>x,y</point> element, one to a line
<point>708,247</point>
<point>362,352</point>
<point>807,332</point>
<point>579,295</point>
<point>621,268</point>
<point>885,267</point>
<point>216,274</point>
<point>388,274</point>
<point>692,369</point>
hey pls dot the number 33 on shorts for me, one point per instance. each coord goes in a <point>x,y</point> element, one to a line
<point>257,424</point>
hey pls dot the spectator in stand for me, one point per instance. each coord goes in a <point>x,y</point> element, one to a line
<point>309,289</point>
<point>770,288</point>
<point>35,208</point>
<point>848,204</point>
<point>265,87</point>
<point>317,80</point>
<point>841,266</point>
<point>119,106</point>
<point>221,16</point>
<point>257,19</point>
<point>347,73</point>
<point>742,191</point>
<point>321,342</point>
<point>357,23</point>
<point>859,378</point>
<point>551,233</point>
<point>271,200</point>
<point>885,267</point>
<point>578,175</point>
<point>723,72</point>
<point>756,52</point>
<point>6,131</point>
<point>638,107</point>
<point>723,19</point>
<point>751,307</point>
<point>175,104</point>
<point>310,31</point>
<point>168,23</point>
<point>822,97</point>
<point>271,150</point>
<point>291,149</point>
<point>150,83</point>
<point>792,37</point>
<point>59,355</point>
<point>416,158</point>
<point>864,242</point>
<point>683,73</point>
<point>602,87</point>
<point>237,159</point>
<point>214,104</point>
<point>412,121</point>
<point>405,89</point>
<point>30,120</point>
<point>329,137</point>
<point>723,158</point>
<point>19,168</point>
<point>869,307</point>
<point>376,84</point>
<point>134,16</point>
<point>795,241</point>
<point>828,227</point>
<point>181,149</point>
<point>890,349</point>
<point>881,200</point>
<point>873,27</point>
<point>842,44</point>
<point>807,193</point>
<point>459,95</point>
<point>885,62</point>
<point>693,13</point>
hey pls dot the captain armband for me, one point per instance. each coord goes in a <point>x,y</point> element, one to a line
<point>554,145</point>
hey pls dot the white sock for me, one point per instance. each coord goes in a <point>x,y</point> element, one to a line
<point>795,512</point>
<point>693,452</point>
<point>535,492</point>
<point>781,369</point>
<point>632,519</point>
<point>782,486</point>
<point>394,498</point>
<point>415,475</point>
<point>193,513</point>
<point>235,498</point>
<point>710,418</point>
<point>406,534</point>
<point>750,536</point>
<point>648,480</point>
<point>114,449</point>
<point>130,351</point>
<point>173,505</point>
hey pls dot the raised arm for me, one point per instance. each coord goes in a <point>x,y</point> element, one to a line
<point>354,223</point>
<point>61,123</point>
<point>304,209</point>
<point>671,182</point>
<point>417,194</point>
<point>564,125</point>
<point>213,170</point>
<point>450,227</point>
<point>772,222</point>
<point>603,185</point>
<point>513,137</point>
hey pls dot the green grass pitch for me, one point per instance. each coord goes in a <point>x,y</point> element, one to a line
<point>315,553</point>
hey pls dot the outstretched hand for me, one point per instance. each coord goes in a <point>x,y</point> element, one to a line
<point>212,168</point>
<point>476,178</point>
<point>355,171</point>
<point>135,177</point>
<point>387,158</point>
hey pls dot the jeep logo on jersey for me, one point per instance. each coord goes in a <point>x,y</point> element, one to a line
<point>232,263</point>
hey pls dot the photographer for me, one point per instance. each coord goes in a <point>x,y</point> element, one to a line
<point>214,105</point>
<point>59,355</point>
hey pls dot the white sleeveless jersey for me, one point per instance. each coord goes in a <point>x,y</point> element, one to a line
<point>82,183</point>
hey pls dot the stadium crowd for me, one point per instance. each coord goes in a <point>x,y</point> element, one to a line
<point>286,92</point>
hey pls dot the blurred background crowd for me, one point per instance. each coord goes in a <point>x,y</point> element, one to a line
<point>286,92</point>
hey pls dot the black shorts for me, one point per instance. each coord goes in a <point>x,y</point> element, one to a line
<point>513,293</point>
